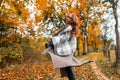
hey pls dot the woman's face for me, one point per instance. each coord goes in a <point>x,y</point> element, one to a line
<point>68,20</point>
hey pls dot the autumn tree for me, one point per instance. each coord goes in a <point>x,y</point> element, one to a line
<point>53,14</point>
<point>35,19</point>
<point>114,6</point>
<point>107,39</point>
<point>12,14</point>
<point>90,15</point>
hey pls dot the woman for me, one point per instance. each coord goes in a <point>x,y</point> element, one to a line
<point>68,33</point>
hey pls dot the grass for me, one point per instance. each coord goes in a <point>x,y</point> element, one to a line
<point>107,67</point>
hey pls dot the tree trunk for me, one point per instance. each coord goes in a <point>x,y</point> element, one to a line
<point>104,48</point>
<point>117,50</point>
<point>85,46</point>
<point>78,48</point>
<point>1,4</point>
<point>114,4</point>
<point>1,38</point>
<point>88,50</point>
<point>108,51</point>
<point>95,47</point>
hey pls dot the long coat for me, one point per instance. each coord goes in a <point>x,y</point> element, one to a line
<point>61,62</point>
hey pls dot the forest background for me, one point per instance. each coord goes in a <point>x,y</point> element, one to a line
<point>26,25</point>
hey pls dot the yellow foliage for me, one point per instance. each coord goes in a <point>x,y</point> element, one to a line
<point>106,5</point>
<point>82,23</point>
<point>41,4</point>
<point>3,39</point>
<point>70,10</point>
<point>30,24</point>
<point>55,31</point>
<point>14,12</point>
<point>76,11</point>
<point>21,29</point>
<point>15,22</point>
<point>38,18</point>
<point>83,5</point>
<point>95,3</point>
<point>102,12</point>
<point>25,13</point>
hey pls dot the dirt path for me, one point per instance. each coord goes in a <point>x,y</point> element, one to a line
<point>97,72</point>
<point>94,56</point>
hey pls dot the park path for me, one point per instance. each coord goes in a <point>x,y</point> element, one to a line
<point>98,73</point>
<point>95,68</point>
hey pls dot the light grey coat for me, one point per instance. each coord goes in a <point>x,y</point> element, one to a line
<point>61,62</point>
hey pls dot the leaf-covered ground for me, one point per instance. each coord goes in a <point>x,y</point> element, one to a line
<point>42,69</point>
<point>107,68</point>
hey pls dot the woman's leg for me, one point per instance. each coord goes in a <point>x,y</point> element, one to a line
<point>70,73</point>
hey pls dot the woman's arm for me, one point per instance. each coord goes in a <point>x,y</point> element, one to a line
<point>63,29</point>
<point>63,36</point>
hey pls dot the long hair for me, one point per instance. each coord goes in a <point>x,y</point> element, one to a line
<point>74,24</point>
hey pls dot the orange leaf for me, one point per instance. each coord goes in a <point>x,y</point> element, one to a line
<point>21,29</point>
<point>82,23</point>
<point>76,11</point>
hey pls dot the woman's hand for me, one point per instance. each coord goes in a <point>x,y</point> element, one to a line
<point>50,43</point>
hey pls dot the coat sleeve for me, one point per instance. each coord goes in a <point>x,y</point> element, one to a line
<point>63,36</point>
<point>60,38</point>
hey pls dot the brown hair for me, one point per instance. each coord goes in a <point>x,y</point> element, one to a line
<point>74,24</point>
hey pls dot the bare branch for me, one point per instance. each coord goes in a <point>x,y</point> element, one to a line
<point>105,1</point>
<point>116,2</point>
<point>111,1</point>
<point>2,3</point>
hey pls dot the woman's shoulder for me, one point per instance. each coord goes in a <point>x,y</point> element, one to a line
<point>68,27</point>
<point>64,29</point>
